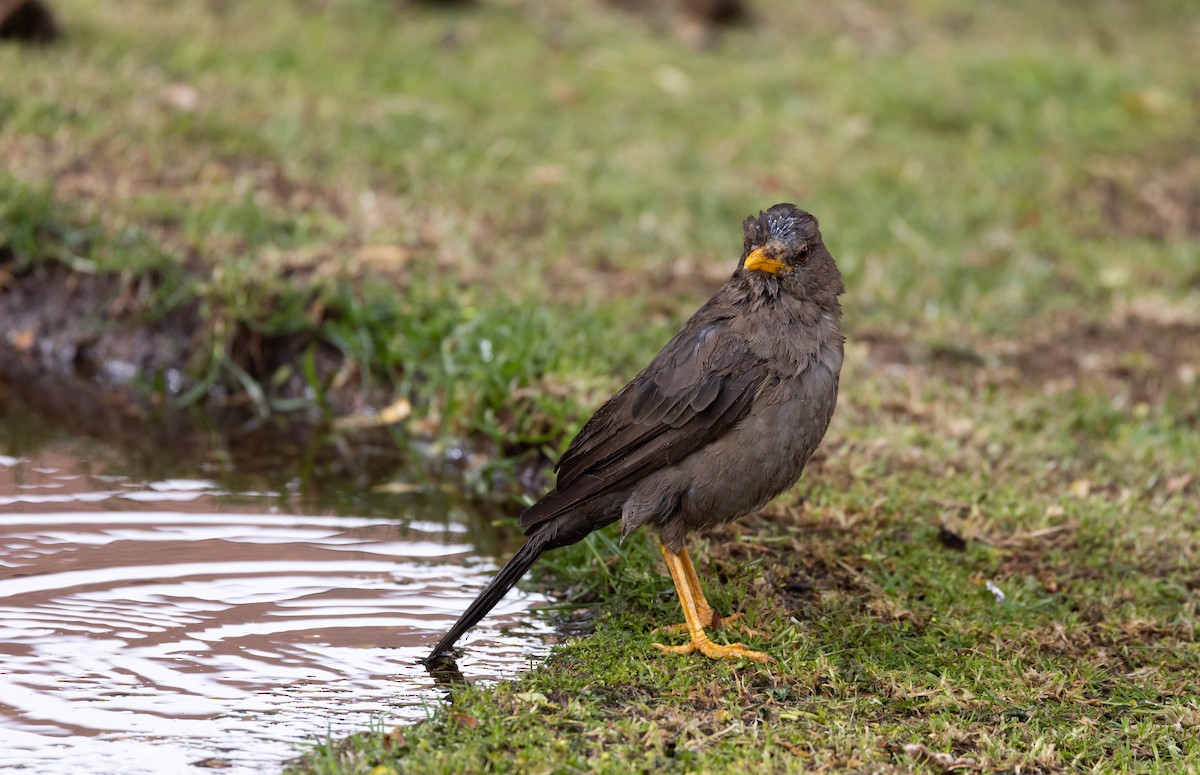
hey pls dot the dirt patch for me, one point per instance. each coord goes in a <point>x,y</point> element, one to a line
<point>1134,357</point>
<point>1144,358</point>
<point>1139,199</point>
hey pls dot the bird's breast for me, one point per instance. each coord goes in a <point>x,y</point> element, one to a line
<point>761,456</point>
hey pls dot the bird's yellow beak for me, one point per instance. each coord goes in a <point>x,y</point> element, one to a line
<point>757,261</point>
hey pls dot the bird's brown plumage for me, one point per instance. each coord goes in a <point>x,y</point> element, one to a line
<point>723,419</point>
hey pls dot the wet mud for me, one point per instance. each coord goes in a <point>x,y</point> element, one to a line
<point>106,343</point>
<point>85,351</point>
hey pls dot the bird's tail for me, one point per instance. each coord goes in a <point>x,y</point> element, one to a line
<point>534,547</point>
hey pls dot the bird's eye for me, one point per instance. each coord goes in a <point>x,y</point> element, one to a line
<point>802,254</point>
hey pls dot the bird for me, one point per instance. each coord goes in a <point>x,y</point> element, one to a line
<point>721,421</point>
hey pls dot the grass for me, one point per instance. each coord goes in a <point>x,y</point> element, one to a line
<point>891,653</point>
<point>522,202</point>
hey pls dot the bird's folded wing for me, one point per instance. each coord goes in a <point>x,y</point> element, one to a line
<point>693,391</point>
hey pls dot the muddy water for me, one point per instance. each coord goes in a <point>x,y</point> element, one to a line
<point>151,626</point>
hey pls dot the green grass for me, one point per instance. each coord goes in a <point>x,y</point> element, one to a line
<point>883,637</point>
<point>522,201</point>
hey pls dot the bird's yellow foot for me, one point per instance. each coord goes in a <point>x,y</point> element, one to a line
<point>699,614</point>
<point>706,647</point>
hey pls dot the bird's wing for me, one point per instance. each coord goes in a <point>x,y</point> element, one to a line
<point>693,391</point>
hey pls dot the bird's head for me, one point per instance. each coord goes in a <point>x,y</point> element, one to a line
<point>785,244</point>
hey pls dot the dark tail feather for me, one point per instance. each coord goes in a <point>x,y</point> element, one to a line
<point>535,546</point>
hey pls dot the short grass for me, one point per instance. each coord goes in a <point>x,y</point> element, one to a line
<point>522,200</point>
<point>891,652</point>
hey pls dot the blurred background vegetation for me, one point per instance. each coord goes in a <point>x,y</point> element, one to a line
<point>566,181</point>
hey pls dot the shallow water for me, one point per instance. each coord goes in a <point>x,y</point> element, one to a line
<point>151,626</point>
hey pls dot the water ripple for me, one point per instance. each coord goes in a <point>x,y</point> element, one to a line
<point>139,640</point>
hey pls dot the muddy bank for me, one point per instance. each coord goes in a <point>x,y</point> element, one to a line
<point>104,354</point>
<point>99,353</point>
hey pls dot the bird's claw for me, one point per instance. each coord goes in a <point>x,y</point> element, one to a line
<point>715,650</point>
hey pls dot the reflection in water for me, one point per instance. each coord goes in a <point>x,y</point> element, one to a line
<point>143,630</point>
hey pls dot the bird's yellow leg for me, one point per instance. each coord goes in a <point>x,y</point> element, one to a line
<point>695,624</point>
<point>707,614</point>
